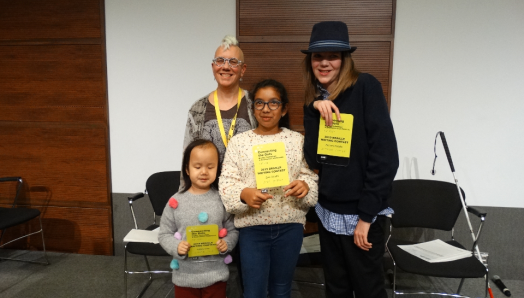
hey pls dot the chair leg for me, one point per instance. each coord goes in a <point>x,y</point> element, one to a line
<point>460,286</point>
<point>25,236</point>
<point>149,281</point>
<point>125,271</point>
<point>43,241</point>
<point>394,280</point>
<point>172,288</point>
<point>487,285</point>
<point>148,271</point>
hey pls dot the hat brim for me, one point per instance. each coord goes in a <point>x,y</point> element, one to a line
<point>329,49</point>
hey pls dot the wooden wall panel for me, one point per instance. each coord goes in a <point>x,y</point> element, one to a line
<point>54,120</point>
<point>297,17</point>
<point>66,229</point>
<point>50,19</point>
<point>283,62</point>
<point>68,159</point>
<point>272,33</point>
<point>51,75</point>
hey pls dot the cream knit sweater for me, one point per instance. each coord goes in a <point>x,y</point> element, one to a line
<point>238,173</point>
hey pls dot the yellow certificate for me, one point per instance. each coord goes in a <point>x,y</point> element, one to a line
<point>203,240</point>
<point>335,140</point>
<point>270,165</point>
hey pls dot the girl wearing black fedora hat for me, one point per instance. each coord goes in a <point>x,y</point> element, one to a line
<point>353,193</point>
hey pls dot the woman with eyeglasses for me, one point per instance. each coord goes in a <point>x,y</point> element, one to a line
<point>354,191</point>
<point>227,110</point>
<point>270,221</point>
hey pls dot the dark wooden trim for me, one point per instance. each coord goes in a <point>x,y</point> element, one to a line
<point>305,38</point>
<point>393,18</point>
<point>54,41</point>
<point>106,109</point>
<point>52,114</point>
<point>238,19</point>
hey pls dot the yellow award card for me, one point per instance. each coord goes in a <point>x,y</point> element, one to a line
<point>203,240</point>
<point>335,140</point>
<point>270,165</point>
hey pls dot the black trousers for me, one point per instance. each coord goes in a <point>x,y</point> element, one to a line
<point>350,270</point>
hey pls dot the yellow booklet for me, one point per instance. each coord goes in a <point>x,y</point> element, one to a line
<point>203,240</point>
<point>335,140</point>
<point>270,165</point>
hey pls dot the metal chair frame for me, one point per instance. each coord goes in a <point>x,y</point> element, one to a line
<point>482,217</point>
<point>20,182</point>
<point>150,272</point>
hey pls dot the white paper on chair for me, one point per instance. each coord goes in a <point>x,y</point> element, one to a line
<point>142,236</point>
<point>436,251</point>
<point>310,244</point>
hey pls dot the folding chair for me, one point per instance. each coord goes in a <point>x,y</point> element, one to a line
<point>10,217</point>
<point>159,187</point>
<point>433,205</point>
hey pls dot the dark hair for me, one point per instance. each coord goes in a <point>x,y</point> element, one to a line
<point>187,156</point>
<point>281,90</point>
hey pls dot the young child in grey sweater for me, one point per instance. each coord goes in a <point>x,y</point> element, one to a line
<point>198,203</point>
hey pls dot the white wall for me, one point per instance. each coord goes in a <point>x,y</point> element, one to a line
<point>457,67</point>
<point>158,63</point>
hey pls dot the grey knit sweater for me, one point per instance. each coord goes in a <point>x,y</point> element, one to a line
<point>202,271</point>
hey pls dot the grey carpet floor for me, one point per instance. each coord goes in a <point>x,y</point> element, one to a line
<point>74,275</point>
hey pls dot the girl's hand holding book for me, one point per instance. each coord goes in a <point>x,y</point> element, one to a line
<point>254,197</point>
<point>221,245</point>
<point>297,188</point>
<point>183,248</point>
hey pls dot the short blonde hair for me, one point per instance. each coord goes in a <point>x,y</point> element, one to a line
<point>227,41</point>
<point>347,77</point>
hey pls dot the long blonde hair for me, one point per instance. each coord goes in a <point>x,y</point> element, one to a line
<point>346,78</point>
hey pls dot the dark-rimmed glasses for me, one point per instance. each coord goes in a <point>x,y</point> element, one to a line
<point>272,104</point>
<point>233,62</point>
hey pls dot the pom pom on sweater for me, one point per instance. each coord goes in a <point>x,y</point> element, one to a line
<point>173,203</point>
<point>202,217</point>
<point>222,233</point>
<point>228,259</point>
<point>178,236</point>
<point>174,264</point>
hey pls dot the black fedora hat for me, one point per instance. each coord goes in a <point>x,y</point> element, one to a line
<point>331,36</point>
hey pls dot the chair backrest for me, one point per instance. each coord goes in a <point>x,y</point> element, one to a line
<point>18,187</point>
<point>425,203</point>
<point>160,187</point>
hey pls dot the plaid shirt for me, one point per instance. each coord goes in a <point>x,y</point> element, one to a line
<point>341,224</point>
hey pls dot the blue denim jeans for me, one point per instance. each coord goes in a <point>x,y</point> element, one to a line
<point>268,255</point>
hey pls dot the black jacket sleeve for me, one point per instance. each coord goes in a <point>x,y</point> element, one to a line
<point>383,161</point>
<point>311,126</point>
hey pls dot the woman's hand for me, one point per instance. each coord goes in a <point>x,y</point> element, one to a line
<point>326,109</point>
<point>222,245</point>
<point>254,198</point>
<point>183,248</point>
<point>361,235</point>
<point>297,188</point>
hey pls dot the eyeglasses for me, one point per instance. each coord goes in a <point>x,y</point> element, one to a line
<point>233,62</point>
<point>272,105</point>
